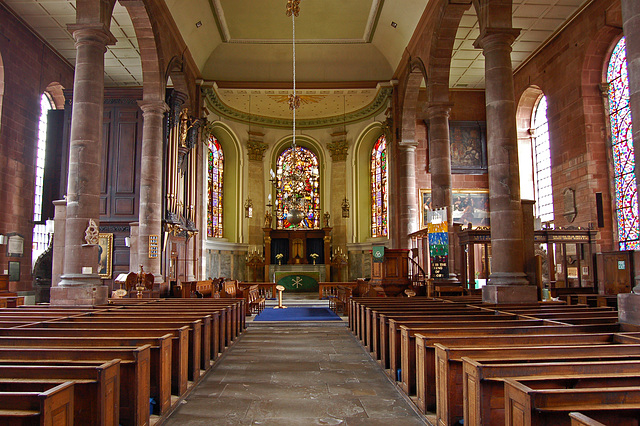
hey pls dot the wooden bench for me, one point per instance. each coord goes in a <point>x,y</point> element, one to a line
<point>612,400</point>
<point>160,356</point>
<point>255,302</point>
<point>409,362</point>
<point>134,372</point>
<point>53,406</point>
<point>579,419</point>
<point>96,387</point>
<point>449,369</point>
<point>484,388</point>
<point>425,353</point>
<point>229,289</point>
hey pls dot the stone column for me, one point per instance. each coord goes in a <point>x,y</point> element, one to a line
<point>408,212</point>
<point>60,219</point>
<point>629,304</point>
<point>80,283</point>
<point>150,214</point>
<point>507,282</point>
<point>440,168</point>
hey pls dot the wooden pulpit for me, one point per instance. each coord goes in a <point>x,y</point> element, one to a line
<point>391,276</point>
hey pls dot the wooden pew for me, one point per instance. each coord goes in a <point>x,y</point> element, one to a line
<point>134,372</point>
<point>484,387</point>
<point>53,406</point>
<point>160,356</point>
<point>425,350</point>
<point>194,340</point>
<point>96,387</point>
<point>402,347</point>
<point>579,419</point>
<point>611,400</point>
<point>449,371</point>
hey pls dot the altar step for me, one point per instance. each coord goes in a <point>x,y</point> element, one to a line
<point>293,299</point>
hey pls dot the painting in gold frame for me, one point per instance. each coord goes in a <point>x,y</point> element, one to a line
<point>105,256</point>
<point>469,206</point>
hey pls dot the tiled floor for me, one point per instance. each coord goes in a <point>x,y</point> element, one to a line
<point>302,374</point>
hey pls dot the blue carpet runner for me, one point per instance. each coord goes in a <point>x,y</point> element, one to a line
<point>297,314</point>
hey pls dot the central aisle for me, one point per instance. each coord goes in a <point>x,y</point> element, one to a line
<point>295,374</point>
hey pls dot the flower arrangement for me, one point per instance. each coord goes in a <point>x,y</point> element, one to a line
<point>314,256</point>
<point>279,256</point>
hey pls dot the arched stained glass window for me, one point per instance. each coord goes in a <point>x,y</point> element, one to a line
<point>379,188</point>
<point>215,181</point>
<point>297,182</point>
<point>39,241</point>
<point>626,206</point>
<point>542,159</point>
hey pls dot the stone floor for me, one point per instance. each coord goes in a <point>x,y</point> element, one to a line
<point>295,374</point>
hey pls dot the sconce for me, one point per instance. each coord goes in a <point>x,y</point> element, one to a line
<point>248,208</point>
<point>345,207</point>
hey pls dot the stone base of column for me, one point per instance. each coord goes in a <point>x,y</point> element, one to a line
<point>629,308</point>
<point>509,294</point>
<point>79,290</point>
<point>508,278</point>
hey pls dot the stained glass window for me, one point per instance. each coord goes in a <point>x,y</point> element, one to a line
<point>215,181</point>
<point>626,205</point>
<point>39,240</point>
<point>297,187</point>
<point>542,157</point>
<point>379,188</point>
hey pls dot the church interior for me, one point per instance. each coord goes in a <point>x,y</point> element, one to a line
<point>452,181</point>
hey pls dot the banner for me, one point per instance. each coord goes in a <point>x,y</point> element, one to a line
<point>438,233</point>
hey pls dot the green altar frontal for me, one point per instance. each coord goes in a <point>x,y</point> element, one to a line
<point>298,281</point>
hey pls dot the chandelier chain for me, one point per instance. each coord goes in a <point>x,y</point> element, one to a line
<point>295,101</point>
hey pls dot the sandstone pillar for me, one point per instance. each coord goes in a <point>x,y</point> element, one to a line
<point>339,148</point>
<point>150,214</point>
<point>408,213</point>
<point>80,284</point>
<point>629,304</point>
<point>59,222</point>
<point>507,282</point>
<point>440,167</point>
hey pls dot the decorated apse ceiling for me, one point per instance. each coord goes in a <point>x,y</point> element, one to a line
<point>319,107</point>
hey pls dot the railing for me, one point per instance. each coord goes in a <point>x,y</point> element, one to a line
<point>266,290</point>
<point>418,276</point>
<point>329,290</point>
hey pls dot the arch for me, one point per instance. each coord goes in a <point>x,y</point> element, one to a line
<point>232,188</point>
<point>311,144</point>
<point>153,81</point>
<point>361,161</point>
<point>379,179</point>
<point>624,170</point>
<point>524,111</point>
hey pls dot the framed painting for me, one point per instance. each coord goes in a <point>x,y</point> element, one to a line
<point>105,258</point>
<point>469,206</point>
<point>468,145</point>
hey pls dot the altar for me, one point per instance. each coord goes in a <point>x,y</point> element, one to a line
<point>297,259</point>
<point>298,278</point>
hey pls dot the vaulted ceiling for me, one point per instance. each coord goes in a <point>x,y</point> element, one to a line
<point>338,41</point>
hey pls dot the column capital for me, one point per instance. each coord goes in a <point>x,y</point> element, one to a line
<point>157,107</point>
<point>439,109</point>
<point>408,145</point>
<point>494,37</point>
<point>94,33</point>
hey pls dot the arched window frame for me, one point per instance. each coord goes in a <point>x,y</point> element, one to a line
<point>541,148</point>
<point>215,186</point>
<point>625,190</point>
<point>379,190</point>
<point>307,162</point>
<point>40,239</point>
